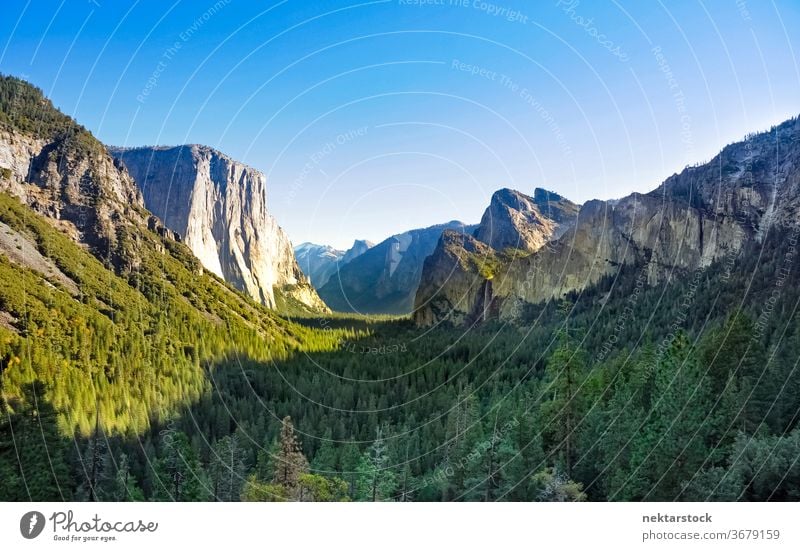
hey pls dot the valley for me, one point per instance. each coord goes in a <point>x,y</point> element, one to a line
<point>161,339</point>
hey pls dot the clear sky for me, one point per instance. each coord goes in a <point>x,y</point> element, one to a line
<point>373,117</point>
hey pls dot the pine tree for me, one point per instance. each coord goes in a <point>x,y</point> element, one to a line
<point>326,461</point>
<point>227,469</point>
<point>672,445</point>
<point>552,485</point>
<point>376,479</point>
<point>290,462</point>
<point>179,476</point>
<point>32,452</point>
<point>125,487</point>
<point>562,412</point>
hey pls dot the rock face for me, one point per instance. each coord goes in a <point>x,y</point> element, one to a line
<point>319,262</point>
<point>515,220</point>
<point>384,279</point>
<point>703,215</point>
<point>57,168</point>
<point>219,208</point>
<point>457,281</point>
<point>360,246</point>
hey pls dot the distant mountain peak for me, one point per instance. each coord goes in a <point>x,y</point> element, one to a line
<point>384,278</point>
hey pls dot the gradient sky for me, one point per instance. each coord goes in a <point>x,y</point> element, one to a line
<point>374,117</point>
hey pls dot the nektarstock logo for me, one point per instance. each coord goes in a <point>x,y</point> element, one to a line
<point>31,524</point>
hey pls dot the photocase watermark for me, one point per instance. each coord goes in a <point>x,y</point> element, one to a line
<point>67,528</point>
<point>523,93</point>
<point>379,350</point>
<point>570,8</point>
<point>489,8</point>
<point>744,12</point>
<point>678,97</point>
<point>494,10</point>
<point>31,524</point>
<point>170,52</point>
<point>321,154</point>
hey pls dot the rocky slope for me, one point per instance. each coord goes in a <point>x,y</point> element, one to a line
<point>102,310</point>
<point>516,220</point>
<point>703,215</point>
<point>219,208</point>
<point>57,168</point>
<point>319,262</point>
<point>384,279</point>
<point>359,247</point>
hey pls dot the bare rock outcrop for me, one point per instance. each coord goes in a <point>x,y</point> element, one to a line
<point>219,208</point>
<point>705,214</point>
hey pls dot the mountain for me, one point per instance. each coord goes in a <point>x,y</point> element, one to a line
<point>319,262</point>
<point>516,220</point>
<point>56,168</point>
<point>703,215</point>
<point>359,247</point>
<point>219,208</point>
<point>104,314</point>
<point>384,279</point>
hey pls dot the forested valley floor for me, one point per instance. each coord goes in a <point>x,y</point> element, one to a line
<point>684,391</point>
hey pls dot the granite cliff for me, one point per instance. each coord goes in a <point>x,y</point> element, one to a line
<point>219,208</point>
<point>705,214</point>
<point>57,168</point>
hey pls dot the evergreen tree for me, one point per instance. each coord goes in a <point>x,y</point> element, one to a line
<point>552,485</point>
<point>125,487</point>
<point>376,479</point>
<point>672,445</point>
<point>227,469</point>
<point>564,409</point>
<point>179,476</point>
<point>32,453</point>
<point>290,462</point>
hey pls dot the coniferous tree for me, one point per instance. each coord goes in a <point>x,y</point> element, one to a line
<point>564,409</point>
<point>376,479</point>
<point>290,462</point>
<point>125,486</point>
<point>179,475</point>
<point>227,469</point>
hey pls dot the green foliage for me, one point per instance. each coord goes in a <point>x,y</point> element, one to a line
<point>376,477</point>
<point>552,485</point>
<point>256,490</point>
<point>24,108</point>
<point>166,384</point>
<point>314,487</point>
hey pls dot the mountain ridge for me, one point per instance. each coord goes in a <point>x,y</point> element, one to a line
<point>698,216</point>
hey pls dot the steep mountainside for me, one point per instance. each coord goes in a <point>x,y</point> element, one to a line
<point>359,247</point>
<point>54,166</point>
<point>104,315</point>
<point>319,262</point>
<point>702,215</point>
<point>219,208</point>
<point>384,279</point>
<point>515,220</point>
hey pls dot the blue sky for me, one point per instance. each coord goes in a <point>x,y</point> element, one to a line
<point>373,117</point>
